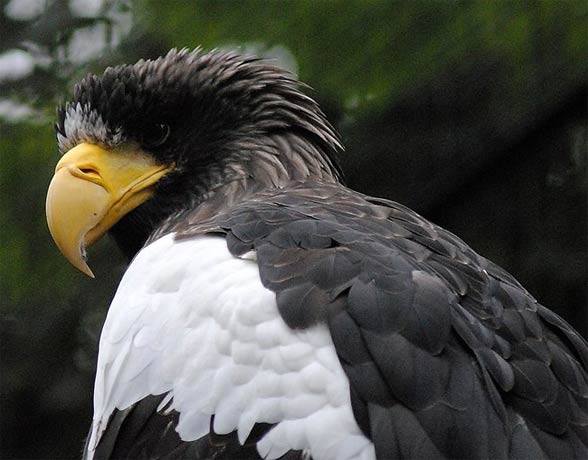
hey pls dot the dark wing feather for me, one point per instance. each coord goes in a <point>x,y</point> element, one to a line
<point>446,354</point>
<point>142,432</point>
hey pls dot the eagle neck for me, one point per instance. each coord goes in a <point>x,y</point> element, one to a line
<point>272,161</point>
<point>277,158</point>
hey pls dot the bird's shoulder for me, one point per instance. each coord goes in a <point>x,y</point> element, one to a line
<point>425,328</point>
<point>194,325</point>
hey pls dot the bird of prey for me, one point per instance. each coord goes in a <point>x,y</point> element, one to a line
<point>270,312</point>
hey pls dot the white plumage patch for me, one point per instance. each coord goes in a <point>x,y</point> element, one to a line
<point>82,124</point>
<point>191,319</point>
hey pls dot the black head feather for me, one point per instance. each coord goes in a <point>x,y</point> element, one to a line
<point>219,116</point>
<point>205,100</point>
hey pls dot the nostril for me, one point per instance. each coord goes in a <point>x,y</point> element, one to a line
<point>90,172</point>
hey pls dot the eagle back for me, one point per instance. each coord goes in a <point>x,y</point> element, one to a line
<point>447,355</point>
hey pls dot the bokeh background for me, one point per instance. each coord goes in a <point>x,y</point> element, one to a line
<point>472,113</point>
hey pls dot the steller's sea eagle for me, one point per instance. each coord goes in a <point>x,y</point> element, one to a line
<point>271,312</point>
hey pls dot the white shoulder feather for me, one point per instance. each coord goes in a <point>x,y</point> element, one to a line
<point>191,319</point>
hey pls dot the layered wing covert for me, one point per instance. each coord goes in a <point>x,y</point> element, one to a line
<point>447,355</point>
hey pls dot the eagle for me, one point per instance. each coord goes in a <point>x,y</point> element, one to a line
<point>270,312</point>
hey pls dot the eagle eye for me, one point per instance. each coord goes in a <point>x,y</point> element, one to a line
<point>155,135</point>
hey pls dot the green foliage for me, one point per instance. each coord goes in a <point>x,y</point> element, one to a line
<point>28,154</point>
<point>366,55</point>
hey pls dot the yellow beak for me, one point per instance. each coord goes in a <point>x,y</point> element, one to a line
<point>92,189</point>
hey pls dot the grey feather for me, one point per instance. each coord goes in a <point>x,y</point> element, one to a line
<point>446,354</point>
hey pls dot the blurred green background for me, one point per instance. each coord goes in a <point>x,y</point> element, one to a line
<point>472,113</point>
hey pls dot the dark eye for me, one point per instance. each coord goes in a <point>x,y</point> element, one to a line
<point>155,135</point>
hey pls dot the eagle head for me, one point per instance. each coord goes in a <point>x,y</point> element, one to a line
<point>144,142</point>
